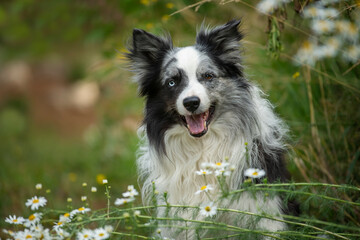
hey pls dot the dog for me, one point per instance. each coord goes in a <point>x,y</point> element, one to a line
<point>201,109</point>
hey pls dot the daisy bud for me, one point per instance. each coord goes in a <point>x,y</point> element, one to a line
<point>84,184</point>
<point>104,181</point>
<point>83,198</point>
<point>93,189</point>
<point>69,199</point>
<point>38,186</point>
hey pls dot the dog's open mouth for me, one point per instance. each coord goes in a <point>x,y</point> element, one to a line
<point>198,124</point>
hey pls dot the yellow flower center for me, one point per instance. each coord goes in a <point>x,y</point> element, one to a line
<point>170,5</point>
<point>99,178</point>
<point>323,25</point>
<point>165,18</point>
<point>32,217</point>
<point>353,28</point>
<point>203,188</point>
<point>295,75</point>
<point>28,236</point>
<point>204,172</point>
<point>307,45</point>
<point>255,173</point>
<point>35,201</point>
<point>86,236</point>
<point>67,215</point>
<point>207,208</point>
<point>59,223</point>
<point>218,163</point>
<point>15,220</point>
<point>81,209</point>
<point>145,2</point>
<point>313,11</point>
<point>101,234</point>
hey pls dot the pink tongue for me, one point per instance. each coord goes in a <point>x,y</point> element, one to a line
<point>196,123</point>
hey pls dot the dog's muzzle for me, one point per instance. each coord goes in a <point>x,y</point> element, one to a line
<point>197,124</point>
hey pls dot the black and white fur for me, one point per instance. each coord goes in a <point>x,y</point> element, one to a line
<point>206,81</point>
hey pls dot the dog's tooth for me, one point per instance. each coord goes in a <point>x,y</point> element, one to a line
<point>205,123</point>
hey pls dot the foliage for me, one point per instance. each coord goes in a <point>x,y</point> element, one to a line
<point>131,221</point>
<point>318,98</point>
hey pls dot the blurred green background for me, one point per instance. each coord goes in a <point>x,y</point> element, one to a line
<point>69,111</point>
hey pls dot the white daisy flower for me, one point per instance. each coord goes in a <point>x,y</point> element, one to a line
<point>35,202</point>
<point>205,188</point>
<point>347,29</point>
<point>58,225</point>
<point>219,165</point>
<point>8,232</point>
<point>62,233</point>
<point>100,233</point>
<point>109,228</point>
<point>79,210</point>
<point>254,173</point>
<point>40,232</point>
<point>208,210</point>
<point>137,212</point>
<point>131,193</point>
<point>65,218</point>
<point>222,171</point>
<point>85,234</point>
<point>26,234</point>
<point>352,53</point>
<point>203,172</point>
<point>33,219</point>
<point>104,181</point>
<point>122,201</point>
<point>93,189</point>
<point>317,11</point>
<point>38,186</point>
<point>329,49</point>
<point>311,12</point>
<point>14,220</point>
<point>305,54</point>
<point>268,6</point>
<point>322,26</point>
<point>329,13</point>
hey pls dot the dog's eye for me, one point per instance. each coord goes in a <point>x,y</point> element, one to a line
<point>208,76</point>
<point>171,83</point>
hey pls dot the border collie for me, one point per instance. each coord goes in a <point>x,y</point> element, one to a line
<point>200,109</point>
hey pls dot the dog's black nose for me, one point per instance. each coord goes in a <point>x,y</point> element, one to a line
<point>191,103</point>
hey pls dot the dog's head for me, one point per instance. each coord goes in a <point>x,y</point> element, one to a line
<point>187,85</point>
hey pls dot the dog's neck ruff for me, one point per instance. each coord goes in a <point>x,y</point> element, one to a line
<point>174,171</point>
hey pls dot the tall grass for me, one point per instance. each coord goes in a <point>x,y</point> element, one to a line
<point>320,104</point>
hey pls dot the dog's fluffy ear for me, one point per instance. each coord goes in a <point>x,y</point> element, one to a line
<point>146,53</point>
<point>222,41</point>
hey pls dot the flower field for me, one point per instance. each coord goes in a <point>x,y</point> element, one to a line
<point>69,115</point>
